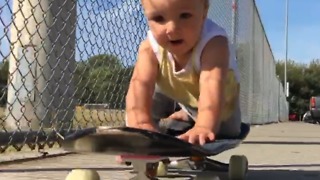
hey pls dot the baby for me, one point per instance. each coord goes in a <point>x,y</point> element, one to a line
<point>186,71</point>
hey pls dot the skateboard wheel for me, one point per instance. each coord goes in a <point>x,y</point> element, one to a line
<point>83,174</point>
<point>238,167</point>
<point>151,170</point>
<point>162,169</point>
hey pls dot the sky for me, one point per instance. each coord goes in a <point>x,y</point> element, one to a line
<point>303,29</point>
<point>103,27</point>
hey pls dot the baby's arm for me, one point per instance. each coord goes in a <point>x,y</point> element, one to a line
<point>214,67</point>
<point>141,88</point>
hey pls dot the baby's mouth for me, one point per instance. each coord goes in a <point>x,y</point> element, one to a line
<point>176,42</point>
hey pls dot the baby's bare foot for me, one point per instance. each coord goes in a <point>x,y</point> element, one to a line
<point>179,115</point>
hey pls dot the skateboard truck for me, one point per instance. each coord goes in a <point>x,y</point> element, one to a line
<point>149,167</point>
<point>145,166</point>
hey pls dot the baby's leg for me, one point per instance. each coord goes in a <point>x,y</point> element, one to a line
<point>162,108</point>
<point>232,126</point>
<point>178,126</point>
<point>229,128</point>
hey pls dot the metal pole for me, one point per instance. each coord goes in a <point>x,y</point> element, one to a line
<point>234,22</point>
<point>40,96</point>
<point>286,49</point>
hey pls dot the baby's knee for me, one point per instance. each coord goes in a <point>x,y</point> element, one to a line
<point>162,106</point>
<point>232,126</point>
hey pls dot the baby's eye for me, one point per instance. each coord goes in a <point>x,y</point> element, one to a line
<point>158,19</point>
<point>185,15</point>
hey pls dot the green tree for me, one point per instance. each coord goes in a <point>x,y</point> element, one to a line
<point>102,79</point>
<point>303,83</point>
<point>312,74</point>
<point>4,72</point>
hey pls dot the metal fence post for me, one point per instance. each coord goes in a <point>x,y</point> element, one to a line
<point>234,22</point>
<point>41,64</point>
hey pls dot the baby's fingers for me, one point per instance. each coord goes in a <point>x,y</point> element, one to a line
<point>211,136</point>
<point>184,137</point>
<point>189,137</point>
<point>202,139</point>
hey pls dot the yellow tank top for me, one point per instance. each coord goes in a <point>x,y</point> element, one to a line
<point>184,87</point>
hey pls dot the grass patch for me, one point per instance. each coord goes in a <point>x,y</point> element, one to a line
<point>88,117</point>
<point>82,118</point>
<point>26,148</point>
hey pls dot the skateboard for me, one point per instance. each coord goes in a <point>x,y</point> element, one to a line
<point>154,154</point>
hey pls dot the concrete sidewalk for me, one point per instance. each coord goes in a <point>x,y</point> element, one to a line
<point>277,151</point>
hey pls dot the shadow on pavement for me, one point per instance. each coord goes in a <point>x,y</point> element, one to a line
<point>284,166</point>
<point>253,174</point>
<point>282,142</point>
<point>20,170</point>
<point>271,174</point>
<point>283,174</point>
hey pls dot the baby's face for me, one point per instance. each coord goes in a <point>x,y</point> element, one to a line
<point>176,24</point>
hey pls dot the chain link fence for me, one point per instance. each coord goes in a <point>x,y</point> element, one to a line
<point>263,98</point>
<point>66,65</point>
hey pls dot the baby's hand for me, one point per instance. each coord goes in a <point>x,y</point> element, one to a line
<point>198,135</point>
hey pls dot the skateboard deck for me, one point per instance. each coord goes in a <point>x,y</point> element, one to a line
<point>142,147</point>
<point>125,140</point>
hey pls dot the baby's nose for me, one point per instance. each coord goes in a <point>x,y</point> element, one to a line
<point>171,28</point>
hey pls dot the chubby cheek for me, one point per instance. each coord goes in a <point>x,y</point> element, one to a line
<point>192,34</point>
<point>196,28</point>
<point>159,35</point>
